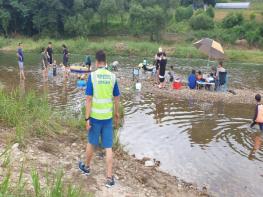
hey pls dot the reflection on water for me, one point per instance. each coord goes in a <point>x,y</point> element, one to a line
<point>201,142</point>
<point>257,145</point>
<point>22,89</point>
<point>208,144</point>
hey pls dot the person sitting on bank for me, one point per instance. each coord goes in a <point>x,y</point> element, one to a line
<point>199,76</point>
<point>192,80</point>
<point>258,117</point>
<point>209,79</point>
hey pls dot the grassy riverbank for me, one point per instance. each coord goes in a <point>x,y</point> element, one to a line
<point>126,46</point>
<point>30,116</point>
<point>24,120</point>
<point>27,118</point>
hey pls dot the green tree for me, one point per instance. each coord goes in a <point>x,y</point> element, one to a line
<point>233,19</point>
<point>120,6</point>
<point>201,22</point>
<point>77,26</point>
<point>93,4</point>
<point>78,5</point>
<point>183,13</point>
<point>154,22</point>
<point>210,12</point>
<point>5,19</point>
<point>136,17</point>
<point>106,9</point>
<point>149,20</point>
<point>49,16</point>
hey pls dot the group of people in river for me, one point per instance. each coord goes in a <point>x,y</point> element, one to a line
<point>197,80</point>
<point>47,60</point>
<point>49,65</point>
<point>102,100</point>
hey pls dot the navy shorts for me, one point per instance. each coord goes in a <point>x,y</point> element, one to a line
<point>101,129</point>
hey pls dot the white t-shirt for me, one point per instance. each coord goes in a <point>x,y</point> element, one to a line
<point>220,69</point>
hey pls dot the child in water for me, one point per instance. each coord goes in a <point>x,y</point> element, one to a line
<point>54,68</point>
<point>81,83</point>
<point>258,118</point>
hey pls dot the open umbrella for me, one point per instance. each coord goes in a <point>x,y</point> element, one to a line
<point>211,48</point>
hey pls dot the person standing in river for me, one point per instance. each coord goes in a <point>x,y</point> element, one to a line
<point>258,117</point>
<point>50,53</point>
<point>161,62</point>
<point>65,55</point>
<point>20,56</point>
<point>87,62</point>
<point>102,101</point>
<point>44,63</point>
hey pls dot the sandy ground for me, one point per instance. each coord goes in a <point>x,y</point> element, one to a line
<point>63,153</point>
<point>245,96</point>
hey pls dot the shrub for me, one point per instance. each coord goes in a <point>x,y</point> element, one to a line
<point>201,21</point>
<point>230,35</point>
<point>183,13</point>
<point>76,26</point>
<point>260,42</point>
<point>239,31</point>
<point>222,1</point>
<point>261,30</point>
<point>233,19</point>
<point>30,115</point>
<point>228,38</point>
<point>210,12</point>
<point>186,2</point>
<point>199,11</point>
<point>252,16</point>
<point>252,37</point>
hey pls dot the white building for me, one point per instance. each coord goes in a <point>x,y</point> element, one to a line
<point>244,5</point>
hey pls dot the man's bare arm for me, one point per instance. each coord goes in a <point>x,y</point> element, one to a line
<point>116,111</point>
<point>88,110</point>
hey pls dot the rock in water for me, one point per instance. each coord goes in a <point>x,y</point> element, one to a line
<point>15,146</point>
<point>149,163</point>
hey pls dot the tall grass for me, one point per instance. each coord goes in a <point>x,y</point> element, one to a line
<point>30,115</point>
<point>131,46</point>
<point>55,188</point>
<point>116,137</point>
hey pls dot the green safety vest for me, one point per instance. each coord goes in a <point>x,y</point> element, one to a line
<point>103,82</point>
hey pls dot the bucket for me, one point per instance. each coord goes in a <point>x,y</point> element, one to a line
<point>138,86</point>
<point>177,85</point>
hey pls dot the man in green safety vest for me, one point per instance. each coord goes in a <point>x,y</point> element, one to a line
<point>102,101</point>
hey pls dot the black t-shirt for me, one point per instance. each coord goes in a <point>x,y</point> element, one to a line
<point>159,54</point>
<point>49,51</point>
<point>65,54</point>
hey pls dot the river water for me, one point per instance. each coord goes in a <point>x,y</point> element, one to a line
<point>200,142</point>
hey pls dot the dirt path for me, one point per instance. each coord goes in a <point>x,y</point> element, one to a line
<point>63,153</point>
